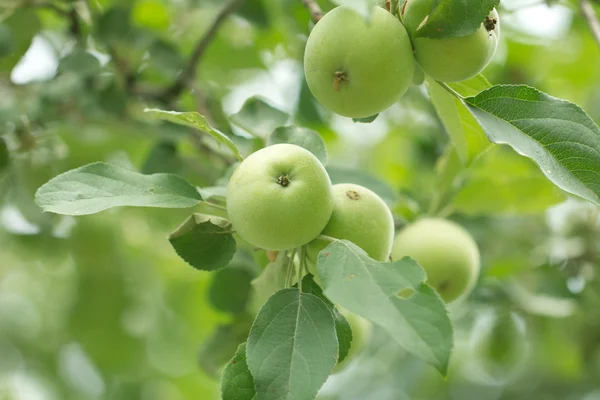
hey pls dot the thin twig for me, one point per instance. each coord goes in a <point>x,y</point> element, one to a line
<point>315,11</point>
<point>592,19</point>
<point>189,72</point>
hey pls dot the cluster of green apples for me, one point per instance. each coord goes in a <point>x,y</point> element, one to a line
<point>281,198</point>
<point>358,67</point>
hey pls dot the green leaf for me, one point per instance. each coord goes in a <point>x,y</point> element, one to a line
<point>4,154</point>
<point>342,326</point>
<point>163,157</point>
<point>259,117</point>
<point>151,14</point>
<point>214,195</point>
<point>472,86</point>
<point>115,25</point>
<point>7,41</point>
<point>558,135</point>
<point>23,25</point>
<point>229,289</point>
<point>292,347</point>
<point>196,121</point>
<point>217,350</point>
<point>306,138</point>
<point>272,279</point>
<point>502,182</point>
<point>449,171</point>
<point>166,58</point>
<point>359,177</point>
<point>465,133</point>
<point>450,18</point>
<point>237,382</point>
<point>307,113</point>
<point>391,295</point>
<point>99,186</point>
<point>80,63</point>
<point>205,242</point>
<point>366,120</point>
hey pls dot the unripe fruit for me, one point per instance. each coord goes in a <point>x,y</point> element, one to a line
<point>452,59</point>
<point>360,216</point>
<point>361,334</point>
<point>447,253</point>
<point>357,67</point>
<point>279,197</point>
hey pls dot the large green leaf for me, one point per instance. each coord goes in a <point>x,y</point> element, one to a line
<point>465,133</point>
<point>196,121</point>
<point>205,242</point>
<point>502,182</point>
<point>20,28</point>
<point>237,382</point>
<point>342,326</point>
<point>272,279</point>
<point>163,157</point>
<point>558,135</point>
<point>230,289</point>
<point>454,18</point>
<point>391,295</point>
<point>306,138</point>
<point>220,346</point>
<point>292,347</point>
<point>80,63</point>
<point>99,186</point>
<point>259,117</point>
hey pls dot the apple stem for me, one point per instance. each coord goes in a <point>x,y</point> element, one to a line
<point>450,90</point>
<point>289,275</point>
<point>208,203</point>
<point>301,267</point>
<point>327,238</point>
<point>283,180</point>
<point>315,11</point>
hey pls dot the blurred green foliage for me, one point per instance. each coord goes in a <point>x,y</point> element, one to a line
<point>101,307</point>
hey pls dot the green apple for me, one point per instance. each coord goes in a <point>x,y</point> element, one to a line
<point>452,59</point>
<point>279,197</point>
<point>360,216</point>
<point>361,334</point>
<point>357,66</point>
<point>447,253</point>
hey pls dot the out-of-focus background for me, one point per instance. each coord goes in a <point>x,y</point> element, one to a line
<point>100,307</point>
